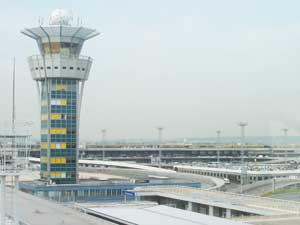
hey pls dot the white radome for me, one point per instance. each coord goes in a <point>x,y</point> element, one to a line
<point>61,17</point>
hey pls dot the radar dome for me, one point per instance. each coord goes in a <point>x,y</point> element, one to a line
<point>61,17</point>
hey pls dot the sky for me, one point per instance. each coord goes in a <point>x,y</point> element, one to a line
<point>191,66</point>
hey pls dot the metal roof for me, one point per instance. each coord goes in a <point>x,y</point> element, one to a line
<point>157,215</point>
<point>246,203</point>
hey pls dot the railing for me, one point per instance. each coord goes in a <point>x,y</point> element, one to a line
<point>55,56</point>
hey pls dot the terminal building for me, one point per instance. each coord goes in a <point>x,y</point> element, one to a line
<point>60,73</point>
<point>91,190</point>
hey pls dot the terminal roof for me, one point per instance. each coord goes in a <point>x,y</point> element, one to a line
<point>158,215</point>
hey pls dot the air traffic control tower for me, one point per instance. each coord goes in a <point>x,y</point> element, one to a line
<point>60,73</point>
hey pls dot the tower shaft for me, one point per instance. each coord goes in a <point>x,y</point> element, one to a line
<point>59,129</point>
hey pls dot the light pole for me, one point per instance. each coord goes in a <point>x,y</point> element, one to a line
<point>160,129</point>
<point>243,168</point>
<point>242,125</point>
<point>218,146</point>
<point>285,130</point>
<point>103,131</point>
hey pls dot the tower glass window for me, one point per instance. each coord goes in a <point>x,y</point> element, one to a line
<point>63,48</point>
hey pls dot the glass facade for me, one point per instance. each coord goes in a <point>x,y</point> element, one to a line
<point>59,130</point>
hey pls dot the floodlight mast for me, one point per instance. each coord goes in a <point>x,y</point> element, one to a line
<point>103,131</point>
<point>243,167</point>
<point>285,132</point>
<point>218,146</point>
<point>242,125</point>
<point>160,130</point>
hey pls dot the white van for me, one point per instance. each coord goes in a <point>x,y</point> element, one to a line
<point>227,181</point>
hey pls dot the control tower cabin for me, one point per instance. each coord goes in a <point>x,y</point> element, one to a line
<point>60,73</point>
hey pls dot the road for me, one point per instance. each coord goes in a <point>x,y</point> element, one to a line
<point>288,196</point>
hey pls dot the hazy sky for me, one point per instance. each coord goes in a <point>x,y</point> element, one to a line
<point>190,66</point>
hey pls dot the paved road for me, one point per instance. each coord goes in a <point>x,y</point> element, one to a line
<point>282,220</point>
<point>288,196</point>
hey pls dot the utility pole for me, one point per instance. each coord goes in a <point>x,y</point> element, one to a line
<point>160,129</point>
<point>243,167</point>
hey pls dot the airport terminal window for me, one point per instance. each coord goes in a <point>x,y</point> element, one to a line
<point>56,67</point>
<point>64,67</point>
<point>48,67</point>
<point>71,68</point>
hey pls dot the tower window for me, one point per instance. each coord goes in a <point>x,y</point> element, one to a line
<point>48,67</point>
<point>64,67</point>
<point>78,68</point>
<point>36,68</point>
<point>42,68</point>
<point>56,67</point>
<point>83,69</point>
<point>71,67</point>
